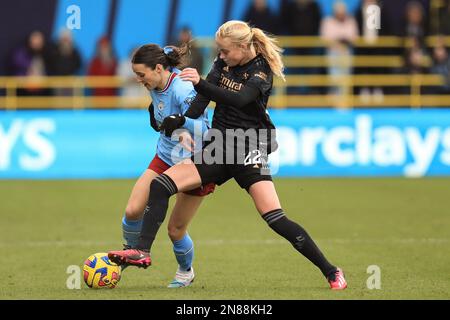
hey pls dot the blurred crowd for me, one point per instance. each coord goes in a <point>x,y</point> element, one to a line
<point>38,57</point>
<point>410,19</point>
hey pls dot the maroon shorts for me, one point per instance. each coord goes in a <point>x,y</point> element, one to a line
<point>160,166</point>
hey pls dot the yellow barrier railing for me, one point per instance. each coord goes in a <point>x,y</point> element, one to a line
<point>315,42</point>
<point>415,98</point>
<point>77,99</point>
<point>390,61</point>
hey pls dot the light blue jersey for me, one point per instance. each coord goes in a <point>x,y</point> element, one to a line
<point>176,98</point>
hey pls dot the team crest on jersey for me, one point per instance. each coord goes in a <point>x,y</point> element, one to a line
<point>226,68</point>
<point>245,76</point>
<point>161,106</point>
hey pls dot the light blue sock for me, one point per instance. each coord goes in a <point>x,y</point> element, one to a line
<point>131,231</point>
<point>184,252</point>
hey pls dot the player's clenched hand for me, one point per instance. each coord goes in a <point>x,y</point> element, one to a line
<point>190,74</point>
<point>172,123</point>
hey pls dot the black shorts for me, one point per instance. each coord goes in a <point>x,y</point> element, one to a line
<point>251,168</point>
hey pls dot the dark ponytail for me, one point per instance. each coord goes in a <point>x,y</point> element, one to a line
<point>152,54</point>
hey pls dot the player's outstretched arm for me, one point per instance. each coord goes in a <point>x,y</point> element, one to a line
<point>237,99</point>
<point>197,107</point>
<point>210,90</point>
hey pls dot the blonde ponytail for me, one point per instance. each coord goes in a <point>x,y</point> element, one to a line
<point>240,32</point>
<point>267,47</point>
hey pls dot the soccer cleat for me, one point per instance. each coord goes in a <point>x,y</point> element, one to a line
<point>182,278</point>
<point>124,266</point>
<point>337,280</point>
<point>131,257</point>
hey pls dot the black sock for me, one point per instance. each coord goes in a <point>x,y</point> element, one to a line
<point>299,238</point>
<point>161,189</point>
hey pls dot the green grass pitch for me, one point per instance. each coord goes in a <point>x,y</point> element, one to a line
<point>400,225</point>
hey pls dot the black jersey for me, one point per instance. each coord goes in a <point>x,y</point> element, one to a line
<point>255,74</point>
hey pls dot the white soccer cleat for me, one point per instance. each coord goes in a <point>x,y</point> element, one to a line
<point>182,278</point>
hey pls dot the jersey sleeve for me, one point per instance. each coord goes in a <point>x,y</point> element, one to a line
<point>246,95</point>
<point>261,78</point>
<point>259,82</point>
<point>200,102</point>
<point>214,74</point>
<point>185,99</point>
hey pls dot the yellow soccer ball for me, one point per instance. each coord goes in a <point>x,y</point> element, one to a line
<point>100,272</point>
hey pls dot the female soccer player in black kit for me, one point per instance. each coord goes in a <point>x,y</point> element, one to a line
<point>240,83</point>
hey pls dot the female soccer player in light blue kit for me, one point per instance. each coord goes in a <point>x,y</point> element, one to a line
<point>155,68</point>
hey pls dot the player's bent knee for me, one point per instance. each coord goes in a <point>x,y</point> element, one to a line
<point>176,233</point>
<point>132,212</point>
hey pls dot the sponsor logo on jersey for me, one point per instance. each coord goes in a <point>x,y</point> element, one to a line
<point>229,84</point>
